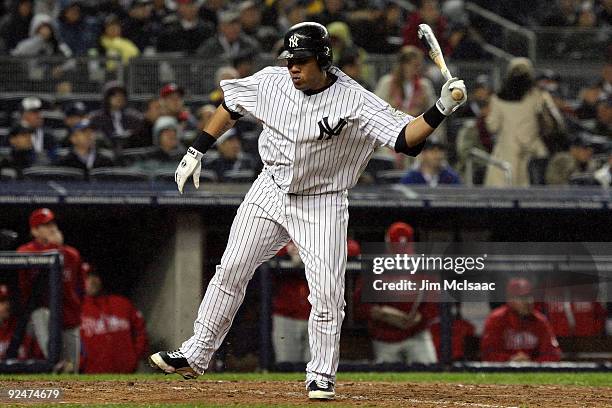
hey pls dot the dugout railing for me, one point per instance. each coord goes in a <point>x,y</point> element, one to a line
<point>49,280</point>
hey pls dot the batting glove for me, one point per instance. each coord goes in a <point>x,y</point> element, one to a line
<point>190,165</point>
<point>446,104</point>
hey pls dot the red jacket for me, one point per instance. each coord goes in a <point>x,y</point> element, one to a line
<point>74,281</point>
<point>291,297</point>
<point>27,350</point>
<point>461,329</point>
<point>383,332</point>
<point>507,333</point>
<point>113,335</point>
<point>589,318</point>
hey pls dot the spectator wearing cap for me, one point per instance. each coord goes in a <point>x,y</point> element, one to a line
<point>74,112</point>
<point>573,164</point>
<point>405,88</point>
<point>431,168</point>
<point>399,330</point>
<point>22,153</point>
<point>604,175</point>
<point>83,153</point>
<point>78,30</point>
<point>168,147</point>
<point>138,26</point>
<point>114,45</point>
<point>31,117</point>
<point>186,31</point>
<point>8,323</point>
<point>116,120</point>
<point>172,99</point>
<point>222,73</point>
<point>428,12</point>
<point>113,330</point>
<point>47,236</point>
<point>231,156</point>
<point>143,137</point>
<point>516,331</point>
<point>14,26</point>
<point>230,41</point>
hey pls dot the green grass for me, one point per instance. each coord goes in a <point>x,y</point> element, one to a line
<point>578,379</point>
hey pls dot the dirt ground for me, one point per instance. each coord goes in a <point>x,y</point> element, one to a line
<point>358,394</point>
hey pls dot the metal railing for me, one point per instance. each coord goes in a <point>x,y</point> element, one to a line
<point>482,156</point>
<point>515,40</point>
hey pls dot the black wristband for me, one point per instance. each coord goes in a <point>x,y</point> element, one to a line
<point>203,142</point>
<point>433,117</point>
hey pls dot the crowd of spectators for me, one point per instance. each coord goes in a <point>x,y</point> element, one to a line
<point>545,133</point>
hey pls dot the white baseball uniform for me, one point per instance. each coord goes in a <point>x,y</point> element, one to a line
<point>314,146</point>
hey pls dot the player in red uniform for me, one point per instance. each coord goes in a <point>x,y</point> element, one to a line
<point>28,347</point>
<point>47,236</point>
<point>518,332</point>
<point>579,319</point>
<point>112,331</point>
<point>399,331</point>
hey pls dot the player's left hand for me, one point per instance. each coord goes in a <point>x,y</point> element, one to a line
<point>446,104</point>
<point>190,165</point>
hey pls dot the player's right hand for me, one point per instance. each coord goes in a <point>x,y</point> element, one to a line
<point>190,165</point>
<point>446,104</point>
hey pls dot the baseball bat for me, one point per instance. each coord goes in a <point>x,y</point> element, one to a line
<point>428,38</point>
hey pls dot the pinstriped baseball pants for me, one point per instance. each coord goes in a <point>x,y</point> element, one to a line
<point>266,220</point>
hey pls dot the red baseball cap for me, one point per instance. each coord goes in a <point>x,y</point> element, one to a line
<point>4,293</point>
<point>171,88</point>
<point>41,216</point>
<point>517,287</point>
<point>400,232</point>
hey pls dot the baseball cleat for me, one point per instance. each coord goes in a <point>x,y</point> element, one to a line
<point>321,390</point>
<point>172,362</point>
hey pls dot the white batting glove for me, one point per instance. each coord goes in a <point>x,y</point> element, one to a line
<point>446,104</point>
<point>190,165</point>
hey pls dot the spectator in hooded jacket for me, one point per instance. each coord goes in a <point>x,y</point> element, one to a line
<point>76,29</point>
<point>43,40</point>
<point>115,120</point>
<point>168,148</point>
<point>15,26</point>
<point>112,330</point>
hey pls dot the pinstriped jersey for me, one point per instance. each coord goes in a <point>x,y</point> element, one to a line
<point>314,143</point>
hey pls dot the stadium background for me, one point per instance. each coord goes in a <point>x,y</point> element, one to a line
<point>133,230</point>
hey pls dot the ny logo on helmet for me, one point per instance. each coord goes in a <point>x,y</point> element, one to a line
<point>326,131</point>
<point>293,41</point>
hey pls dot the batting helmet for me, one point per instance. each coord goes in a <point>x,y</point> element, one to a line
<point>308,40</point>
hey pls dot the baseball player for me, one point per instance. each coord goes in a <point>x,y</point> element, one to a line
<point>320,128</point>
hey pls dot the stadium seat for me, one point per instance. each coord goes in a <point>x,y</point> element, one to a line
<point>8,174</point>
<point>131,156</point>
<point>49,173</point>
<point>389,176</point>
<point>239,176</point>
<point>117,174</point>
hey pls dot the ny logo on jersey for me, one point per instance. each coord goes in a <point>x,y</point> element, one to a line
<point>326,131</point>
<point>293,41</point>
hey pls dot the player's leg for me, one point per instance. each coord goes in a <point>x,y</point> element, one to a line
<point>318,226</point>
<point>39,319</point>
<point>255,237</point>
